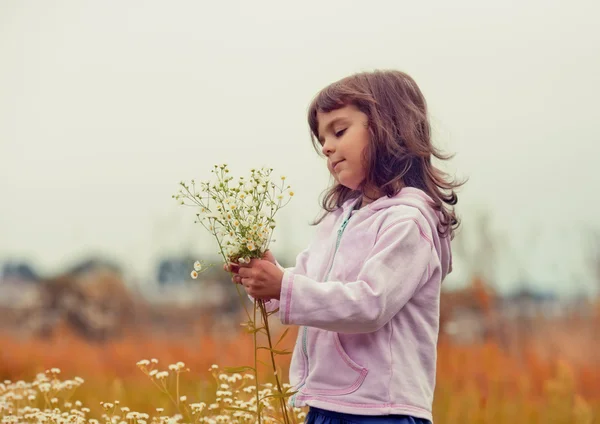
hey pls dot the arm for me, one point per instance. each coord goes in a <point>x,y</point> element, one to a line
<point>389,278</point>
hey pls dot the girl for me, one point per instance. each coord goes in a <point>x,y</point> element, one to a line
<point>366,292</point>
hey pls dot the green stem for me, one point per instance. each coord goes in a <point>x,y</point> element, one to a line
<point>258,414</point>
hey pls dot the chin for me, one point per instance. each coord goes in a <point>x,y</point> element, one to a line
<point>348,184</point>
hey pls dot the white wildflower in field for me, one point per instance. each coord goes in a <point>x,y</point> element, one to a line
<point>236,402</point>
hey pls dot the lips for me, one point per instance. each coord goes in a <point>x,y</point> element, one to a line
<point>334,164</point>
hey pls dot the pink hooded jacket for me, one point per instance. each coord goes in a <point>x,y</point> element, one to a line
<point>366,294</point>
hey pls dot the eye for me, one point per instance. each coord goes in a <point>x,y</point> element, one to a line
<point>340,133</point>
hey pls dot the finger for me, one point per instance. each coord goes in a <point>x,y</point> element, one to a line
<point>231,267</point>
<point>245,272</point>
<point>236,279</point>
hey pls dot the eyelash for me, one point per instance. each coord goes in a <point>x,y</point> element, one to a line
<point>337,134</point>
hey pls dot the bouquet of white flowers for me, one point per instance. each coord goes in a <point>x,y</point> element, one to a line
<point>241,217</point>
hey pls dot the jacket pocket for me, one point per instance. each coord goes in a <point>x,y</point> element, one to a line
<point>333,372</point>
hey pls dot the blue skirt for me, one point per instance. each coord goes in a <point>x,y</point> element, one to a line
<point>322,416</point>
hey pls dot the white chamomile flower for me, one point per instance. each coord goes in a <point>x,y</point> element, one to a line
<point>197,266</point>
<point>194,274</point>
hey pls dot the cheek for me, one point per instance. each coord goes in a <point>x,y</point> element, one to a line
<point>356,175</point>
<point>357,164</point>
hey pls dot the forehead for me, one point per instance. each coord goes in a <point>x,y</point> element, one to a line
<point>326,119</point>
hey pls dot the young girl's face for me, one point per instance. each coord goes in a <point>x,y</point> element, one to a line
<point>344,136</point>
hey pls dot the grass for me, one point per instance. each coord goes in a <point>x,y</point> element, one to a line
<point>478,383</point>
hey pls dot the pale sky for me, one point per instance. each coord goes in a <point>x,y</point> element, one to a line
<point>106,106</point>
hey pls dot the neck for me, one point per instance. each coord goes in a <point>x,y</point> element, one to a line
<point>367,198</point>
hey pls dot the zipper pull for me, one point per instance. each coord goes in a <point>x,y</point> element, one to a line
<point>344,224</point>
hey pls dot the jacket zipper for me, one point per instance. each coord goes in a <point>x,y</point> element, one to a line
<point>304,329</point>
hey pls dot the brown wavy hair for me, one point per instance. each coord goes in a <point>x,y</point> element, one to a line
<point>400,148</point>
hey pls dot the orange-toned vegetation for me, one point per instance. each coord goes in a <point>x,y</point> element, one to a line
<point>524,369</point>
<point>477,383</point>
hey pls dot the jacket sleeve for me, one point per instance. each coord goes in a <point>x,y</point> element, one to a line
<point>393,272</point>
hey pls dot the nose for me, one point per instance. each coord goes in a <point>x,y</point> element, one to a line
<point>327,148</point>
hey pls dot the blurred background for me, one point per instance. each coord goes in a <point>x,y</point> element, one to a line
<point>106,106</point>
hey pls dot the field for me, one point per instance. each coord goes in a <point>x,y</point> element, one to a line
<point>477,382</point>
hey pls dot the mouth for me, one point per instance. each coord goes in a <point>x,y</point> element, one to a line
<point>334,164</point>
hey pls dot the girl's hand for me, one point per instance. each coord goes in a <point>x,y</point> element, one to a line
<point>235,268</point>
<point>261,279</point>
